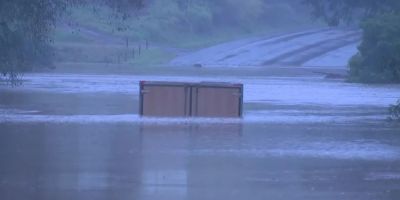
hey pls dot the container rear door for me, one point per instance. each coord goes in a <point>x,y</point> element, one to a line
<point>164,101</point>
<point>216,102</point>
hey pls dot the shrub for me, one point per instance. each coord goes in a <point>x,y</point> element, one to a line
<point>378,60</point>
<point>394,111</point>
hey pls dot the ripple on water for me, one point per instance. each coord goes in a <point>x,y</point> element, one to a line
<point>18,116</point>
<point>280,90</point>
<point>333,150</point>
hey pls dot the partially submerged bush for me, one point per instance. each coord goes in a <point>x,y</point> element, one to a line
<point>394,111</point>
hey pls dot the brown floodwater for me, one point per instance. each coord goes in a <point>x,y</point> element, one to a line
<point>79,137</point>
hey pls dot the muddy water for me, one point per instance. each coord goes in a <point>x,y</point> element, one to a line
<point>79,137</point>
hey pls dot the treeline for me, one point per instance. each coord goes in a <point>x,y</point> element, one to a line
<point>201,15</point>
<point>173,19</point>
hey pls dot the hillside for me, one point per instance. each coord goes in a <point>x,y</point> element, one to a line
<point>93,35</point>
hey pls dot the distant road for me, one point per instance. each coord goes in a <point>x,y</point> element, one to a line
<point>314,48</point>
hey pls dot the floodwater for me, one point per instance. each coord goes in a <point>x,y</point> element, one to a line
<point>79,137</point>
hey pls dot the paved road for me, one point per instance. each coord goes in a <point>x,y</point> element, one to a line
<point>321,48</point>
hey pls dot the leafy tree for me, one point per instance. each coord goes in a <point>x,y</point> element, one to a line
<point>25,26</point>
<point>335,12</point>
<point>378,59</point>
<point>247,11</point>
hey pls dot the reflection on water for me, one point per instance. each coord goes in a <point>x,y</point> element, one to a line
<point>165,183</point>
<point>194,161</point>
<point>79,137</point>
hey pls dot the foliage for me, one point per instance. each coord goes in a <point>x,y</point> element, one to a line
<point>378,59</point>
<point>25,26</point>
<point>394,111</point>
<point>239,12</point>
<point>182,22</point>
<point>335,12</point>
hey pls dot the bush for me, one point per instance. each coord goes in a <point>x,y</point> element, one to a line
<point>378,60</point>
<point>19,52</point>
<point>394,111</point>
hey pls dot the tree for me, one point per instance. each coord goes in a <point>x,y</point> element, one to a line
<point>378,59</point>
<point>25,26</point>
<point>335,12</point>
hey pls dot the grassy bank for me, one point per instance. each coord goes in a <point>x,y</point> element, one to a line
<point>164,29</point>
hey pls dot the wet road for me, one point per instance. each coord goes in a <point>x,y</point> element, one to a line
<point>313,48</point>
<point>79,137</point>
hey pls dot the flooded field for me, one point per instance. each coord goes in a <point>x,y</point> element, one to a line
<point>79,137</point>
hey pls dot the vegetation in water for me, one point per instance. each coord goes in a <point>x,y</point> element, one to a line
<point>394,111</point>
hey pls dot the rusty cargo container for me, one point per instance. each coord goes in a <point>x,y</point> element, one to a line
<point>182,99</point>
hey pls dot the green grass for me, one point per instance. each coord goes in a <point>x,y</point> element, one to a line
<point>166,22</point>
<point>152,56</point>
<point>89,34</point>
<point>67,35</point>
